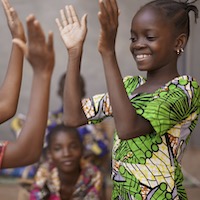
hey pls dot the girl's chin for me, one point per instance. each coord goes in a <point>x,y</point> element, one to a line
<point>141,68</point>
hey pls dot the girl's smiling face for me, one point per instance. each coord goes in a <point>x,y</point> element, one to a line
<point>152,40</point>
<point>66,151</point>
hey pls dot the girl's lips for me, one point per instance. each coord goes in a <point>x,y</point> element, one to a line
<point>67,162</point>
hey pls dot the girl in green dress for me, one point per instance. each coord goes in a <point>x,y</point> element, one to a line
<point>154,115</point>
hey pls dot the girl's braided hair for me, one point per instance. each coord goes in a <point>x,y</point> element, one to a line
<point>177,12</point>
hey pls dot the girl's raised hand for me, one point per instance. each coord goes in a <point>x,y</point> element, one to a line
<point>72,30</point>
<point>108,18</point>
<point>38,52</point>
<point>14,23</point>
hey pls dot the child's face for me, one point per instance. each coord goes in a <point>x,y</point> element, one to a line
<point>152,40</point>
<point>66,152</point>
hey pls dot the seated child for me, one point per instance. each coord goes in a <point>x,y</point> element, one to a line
<point>66,175</point>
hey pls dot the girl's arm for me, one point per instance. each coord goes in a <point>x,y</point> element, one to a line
<point>73,33</point>
<point>27,148</point>
<point>128,123</point>
<point>10,89</point>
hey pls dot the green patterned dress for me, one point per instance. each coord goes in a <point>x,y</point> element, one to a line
<point>149,167</point>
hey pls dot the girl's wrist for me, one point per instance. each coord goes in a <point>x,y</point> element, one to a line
<point>75,52</point>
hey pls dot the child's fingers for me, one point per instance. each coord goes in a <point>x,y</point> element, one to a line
<point>102,8</point>
<point>115,6</point>
<point>34,29</point>
<point>68,14</point>
<point>84,20</point>
<point>50,41</point>
<point>74,14</point>
<point>59,24</point>
<point>63,18</point>
<point>6,7</point>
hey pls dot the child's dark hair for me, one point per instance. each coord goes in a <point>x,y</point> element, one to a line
<point>61,127</point>
<point>177,12</point>
<point>62,82</point>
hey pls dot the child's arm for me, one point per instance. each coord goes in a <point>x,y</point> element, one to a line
<point>128,123</point>
<point>27,148</point>
<point>73,33</point>
<point>10,89</point>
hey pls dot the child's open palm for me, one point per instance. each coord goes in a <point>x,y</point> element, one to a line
<point>72,30</point>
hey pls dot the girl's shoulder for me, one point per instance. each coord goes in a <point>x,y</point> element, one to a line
<point>138,79</point>
<point>133,82</point>
<point>185,82</point>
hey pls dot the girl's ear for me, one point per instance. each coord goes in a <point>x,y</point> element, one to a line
<point>181,42</point>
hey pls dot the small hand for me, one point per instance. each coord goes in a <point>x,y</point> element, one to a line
<point>108,18</point>
<point>14,23</point>
<point>38,52</point>
<point>72,31</point>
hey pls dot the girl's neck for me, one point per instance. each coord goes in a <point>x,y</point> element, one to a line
<point>161,79</point>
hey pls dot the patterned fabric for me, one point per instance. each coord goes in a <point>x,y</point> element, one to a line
<point>47,183</point>
<point>3,145</point>
<point>149,167</point>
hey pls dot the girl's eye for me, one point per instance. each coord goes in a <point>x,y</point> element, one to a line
<point>133,39</point>
<point>151,38</point>
<point>74,146</point>
<point>56,148</point>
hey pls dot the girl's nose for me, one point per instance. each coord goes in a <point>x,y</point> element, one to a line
<point>66,151</point>
<point>139,44</point>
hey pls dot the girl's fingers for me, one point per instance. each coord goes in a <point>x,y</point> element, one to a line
<point>59,24</point>
<point>35,32</point>
<point>6,7</point>
<point>109,7</point>
<point>102,8</point>
<point>84,20</point>
<point>50,41</point>
<point>115,6</point>
<point>68,15</point>
<point>63,18</point>
<point>73,14</point>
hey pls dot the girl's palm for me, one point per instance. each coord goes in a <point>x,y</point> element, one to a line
<point>72,35</point>
<point>72,31</point>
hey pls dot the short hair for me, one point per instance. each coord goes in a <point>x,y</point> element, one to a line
<point>61,127</point>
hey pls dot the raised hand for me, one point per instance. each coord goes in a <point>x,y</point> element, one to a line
<point>72,30</point>
<point>38,52</point>
<point>108,18</point>
<point>14,23</point>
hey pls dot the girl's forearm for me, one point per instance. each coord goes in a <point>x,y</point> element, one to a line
<point>10,90</point>
<point>32,133</point>
<point>73,113</point>
<point>123,112</point>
